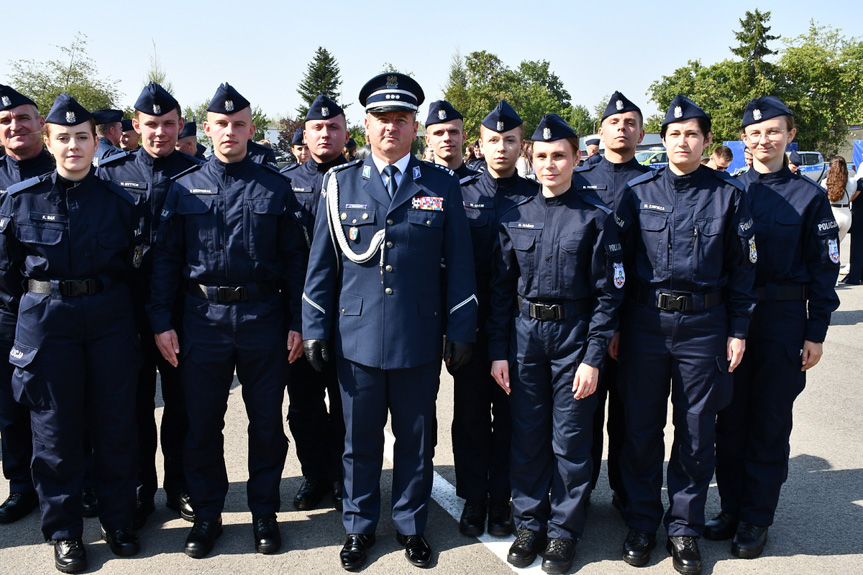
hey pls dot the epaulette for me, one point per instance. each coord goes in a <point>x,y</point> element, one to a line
<point>469,179</point>
<point>289,168</point>
<point>272,169</point>
<point>807,179</point>
<point>439,167</point>
<point>195,161</point>
<point>596,202</point>
<point>114,157</point>
<point>584,168</point>
<point>645,177</point>
<point>28,183</point>
<point>341,167</point>
<point>188,171</point>
<point>133,199</point>
<point>727,178</point>
<point>516,205</point>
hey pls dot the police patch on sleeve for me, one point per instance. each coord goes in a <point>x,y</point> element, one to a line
<point>833,250</point>
<point>619,275</point>
<point>753,252</point>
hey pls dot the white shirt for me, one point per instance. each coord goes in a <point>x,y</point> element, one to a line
<point>401,164</point>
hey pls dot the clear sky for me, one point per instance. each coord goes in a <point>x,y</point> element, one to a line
<point>262,48</point>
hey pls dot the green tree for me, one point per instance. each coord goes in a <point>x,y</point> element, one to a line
<point>322,76</point>
<point>753,48</point>
<point>287,127</point>
<point>538,91</point>
<point>74,72</point>
<point>157,73</point>
<point>579,119</point>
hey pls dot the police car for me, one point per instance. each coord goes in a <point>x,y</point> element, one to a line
<point>654,158</point>
<point>813,165</point>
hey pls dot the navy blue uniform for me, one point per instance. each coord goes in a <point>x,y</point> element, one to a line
<point>17,441</point>
<point>690,255</point>
<point>319,434</point>
<point>795,275</point>
<point>608,180</point>
<point>481,427</point>
<point>105,149</point>
<point>463,171</point>
<point>76,351</point>
<point>201,148</point>
<point>261,154</point>
<point>384,310</point>
<point>149,179</point>
<point>557,284</point>
<point>228,231</point>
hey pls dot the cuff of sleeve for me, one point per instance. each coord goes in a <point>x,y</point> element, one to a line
<point>816,331</point>
<point>161,323</point>
<point>595,354</point>
<point>498,351</point>
<point>739,327</point>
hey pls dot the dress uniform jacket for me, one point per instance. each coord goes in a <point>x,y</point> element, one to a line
<point>105,149</point>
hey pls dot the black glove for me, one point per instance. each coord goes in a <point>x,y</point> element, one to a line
<point>457,353</point>
<point>317,352</point>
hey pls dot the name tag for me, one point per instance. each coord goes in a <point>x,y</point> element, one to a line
<point>201,191</point>
<point>134,185</point>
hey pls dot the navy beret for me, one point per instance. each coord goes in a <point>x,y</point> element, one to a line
<point>66,111</point>
<point>794,158</point>
<point>107,116</point>
<point>227,100</point>
<point>592,142</point>
<point>323,108</point>
<point>551,128</point>
<point>502,119</point>
<point>764,108</point>
<point>298,140</point>
<point>442,111</point>
<point>190,128</point>
<point>682,109</point>
<point>619,104</point>
<point>127,125</point>
<point>391,92</point>
<point>11,98</point>
<point>155,100</point>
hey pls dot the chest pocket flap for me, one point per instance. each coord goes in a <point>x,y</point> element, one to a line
<point>522,241</point>
<point>427,218</point>
<point>194,204</point>
<point>43,235</point>
<point>652,221</point>
<point>357,216</point>
<point>272,206</point>
<point>710,226</point>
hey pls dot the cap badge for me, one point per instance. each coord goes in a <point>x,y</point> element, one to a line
<point>157,109</point>
<point>500,125</point>
<point>70,117</point>
<point>619,104</point>
<point>546,133</point>
<point>7,101</point>
<point>229,105</point>
<point>441,114</point>
<point>756,114</point>
<point>392,82</point>
<point>325,111</point>
<point>678,112</point>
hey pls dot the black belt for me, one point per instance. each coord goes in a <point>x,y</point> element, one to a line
<point>840,205</point>
<point>677,301</point>
<point>788,292</point>
<point>545,311</point>
<point>231,294</point>
<point>67,288</point>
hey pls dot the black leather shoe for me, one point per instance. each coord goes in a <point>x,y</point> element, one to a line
<point>123,542</point>
<point>89,503</point>
<point>637,547</point>
<point>499,518</point>
<point>203,536</point>
<point>472,522</point>
<point>685,555</point>
<point>721,527</point>
<point>558,555</point>
<point>16,506</point>
<point>268,538</point>
<point>182,504</point>
<point>143,509</point>
<point>310,493</point>
<point>70,555</point>
<point>417,549</point>
<point>338,494</point>
<point>353,553</point>
<point>749,541</point>
<point>524,549</point>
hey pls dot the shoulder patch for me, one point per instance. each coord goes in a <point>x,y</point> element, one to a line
<point>645,177</point>
<point>187,171</point>
<point>469,179</point>
<point>114,158</point>
<point>596,202</point>
<point>439,167</point>
<point>28,183</point>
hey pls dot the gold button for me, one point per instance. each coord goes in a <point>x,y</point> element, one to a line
<point>353,221</point>
<point>343,310</point>
<point>428,222</point>
<point>389,244</point>
<point>389,221</point>
<point>344,216</point>
<point>388,291</point>
<point>389,268</point>
<point>365,216</point>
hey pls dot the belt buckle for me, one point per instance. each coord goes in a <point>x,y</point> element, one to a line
<point>228,294</point>
<point>671,302</point>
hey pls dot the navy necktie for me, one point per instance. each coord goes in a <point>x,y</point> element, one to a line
<point>390,172</point>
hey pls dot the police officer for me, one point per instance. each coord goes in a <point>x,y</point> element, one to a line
<point>228,230</point>
<point>299,148</point>
<point>481,427</point>
<point>558,281</point>
<point>319,433</point>
<point>147,174</point>
<point>21,137</point>
<point>445,135</point>
<point>621,130</point>
<point>129,139</point>
<point>593,155</point>
<point>374,296</point>
<point>690,251</point>
<point>261,154</point>
<point>68,239</point>
<point>109,127</point>
<point>799,245</point>
<point>187,140</point>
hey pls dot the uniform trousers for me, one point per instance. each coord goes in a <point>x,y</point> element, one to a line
<point>607,393</point>
<point>16,439</point>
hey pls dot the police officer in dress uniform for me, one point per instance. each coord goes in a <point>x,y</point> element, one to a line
<point>445,135</point>
<point>109,127</point>
<point>129,139</point>
<point>481,428</point>
<point>187,140</point>
<point>21,136</point>
<point>688,243</point>
<point>593,155</point>
<point>147,174</point>
<point>375,300</point>
<point>797,237</point>
<point>621,129</point>
<point>319,434</point>
<point>68,238</point>
<point>558,281</point>
<point>228,230</point>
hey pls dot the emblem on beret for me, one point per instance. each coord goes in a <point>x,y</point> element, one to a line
<point>392,82</point>
<point>70,117</point>
<point>7,101</point>
<point>325,111</point>
<point>229,105</point>
<point>441,114</point>
<point>756,114</point>
<point>157,109</point>
<point>500,125</point>
<point>619,104</point>
<point>546,133</point>
<point>678,112</point>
